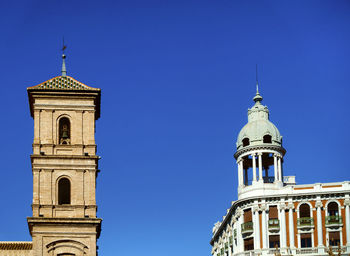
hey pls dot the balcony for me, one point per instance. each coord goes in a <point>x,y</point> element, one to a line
<point>274,225</point>
<point>334,221</point>
<point>247,227</point>
<point>269,179</point>
<point>305,222</point>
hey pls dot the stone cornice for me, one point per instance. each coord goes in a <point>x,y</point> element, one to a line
<point>59,221</point>
<point>260,147</point>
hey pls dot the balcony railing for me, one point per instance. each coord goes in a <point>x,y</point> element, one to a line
<point>247,227</point>
<point>305,222</point>
<point>274,224</point>
<point>307,250</point>
<point>270,179</point>
<point>334,220</point>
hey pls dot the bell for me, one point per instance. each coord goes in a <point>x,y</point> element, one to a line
<point>65,135</point>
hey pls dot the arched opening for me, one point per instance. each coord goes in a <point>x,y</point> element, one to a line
<point>333,209</point>
<point>267,139</point>
<point>304,210</point>
<point>245,142</point>
<point>64,191</point>
<point>64,131</point>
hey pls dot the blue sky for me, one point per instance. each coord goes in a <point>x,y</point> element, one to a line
<point>177,78</point>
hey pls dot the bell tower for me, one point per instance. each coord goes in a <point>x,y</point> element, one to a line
<point>64,167</point>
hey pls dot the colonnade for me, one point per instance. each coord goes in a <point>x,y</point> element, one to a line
<point>257,157</point>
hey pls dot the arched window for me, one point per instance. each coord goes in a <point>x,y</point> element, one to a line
<point>64,131</point>
<point>267,139</point>
<point>64,191</point>
<point>333,209</point>
<point>245,142</point>
<point>304,210</point>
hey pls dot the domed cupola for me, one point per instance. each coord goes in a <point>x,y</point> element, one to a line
<point>259,152</point>
<point>259,130</point>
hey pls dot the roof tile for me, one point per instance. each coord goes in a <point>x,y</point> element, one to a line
<point>62,83</point>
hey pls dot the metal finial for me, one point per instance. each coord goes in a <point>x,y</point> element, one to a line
<point>257,97</point>
<point>256,77</point>
<point>64,70</point>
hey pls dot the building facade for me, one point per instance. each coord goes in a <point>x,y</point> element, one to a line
<point>64,168</point>
<point>273,215</point>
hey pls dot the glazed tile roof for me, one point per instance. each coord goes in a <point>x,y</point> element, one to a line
<point>62,83</point>
<point>16,245</point>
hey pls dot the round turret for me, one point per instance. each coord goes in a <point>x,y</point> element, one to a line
<point>259,153</point>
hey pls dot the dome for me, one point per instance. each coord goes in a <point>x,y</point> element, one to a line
<point>259,130</point>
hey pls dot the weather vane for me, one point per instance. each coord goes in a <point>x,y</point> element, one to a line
<point>63,46</point>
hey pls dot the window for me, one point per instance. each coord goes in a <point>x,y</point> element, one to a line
<point>333,209</point>
<point>274,241</point>
<point>267,139</point>
<point>249,244</point>
<point>304,210</point>
<point>273,212</point>
<point>64,191</point>
<point>245,142</point>
<point>247,215</point>
<point>334,238</point>
<point>305,240</point>
<point>64,131</point>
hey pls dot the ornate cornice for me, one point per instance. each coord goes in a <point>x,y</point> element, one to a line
<point>259,147</point>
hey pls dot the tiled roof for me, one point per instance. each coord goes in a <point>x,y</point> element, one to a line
<point>16,245</point>
<point>62,83</point>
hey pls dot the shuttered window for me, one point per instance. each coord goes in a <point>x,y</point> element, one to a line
<point>274,241</point>
<point>273,212</point>
<point>248,244</point>
<point>247,215</point>
<point>334,238</point>
<point>305,240</point>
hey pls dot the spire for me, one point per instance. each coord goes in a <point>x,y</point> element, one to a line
<point>258,98</point>
<point>64,70</point>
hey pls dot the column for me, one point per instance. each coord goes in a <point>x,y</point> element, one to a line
<point>275,166</point>
<point>291,226</point>
<point>233,237</point>
<point>279,168</point>
<point>319,224</point>
<point>254,167</point>
<point>240,182</point>
<point>263,228</point>
<point>240,245</point>
<point>256,225</point>
<point>347,220</point>
<point>229,247</point>
<point>260,166</point>
<point>246,177</point>
<point>283,226</point>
